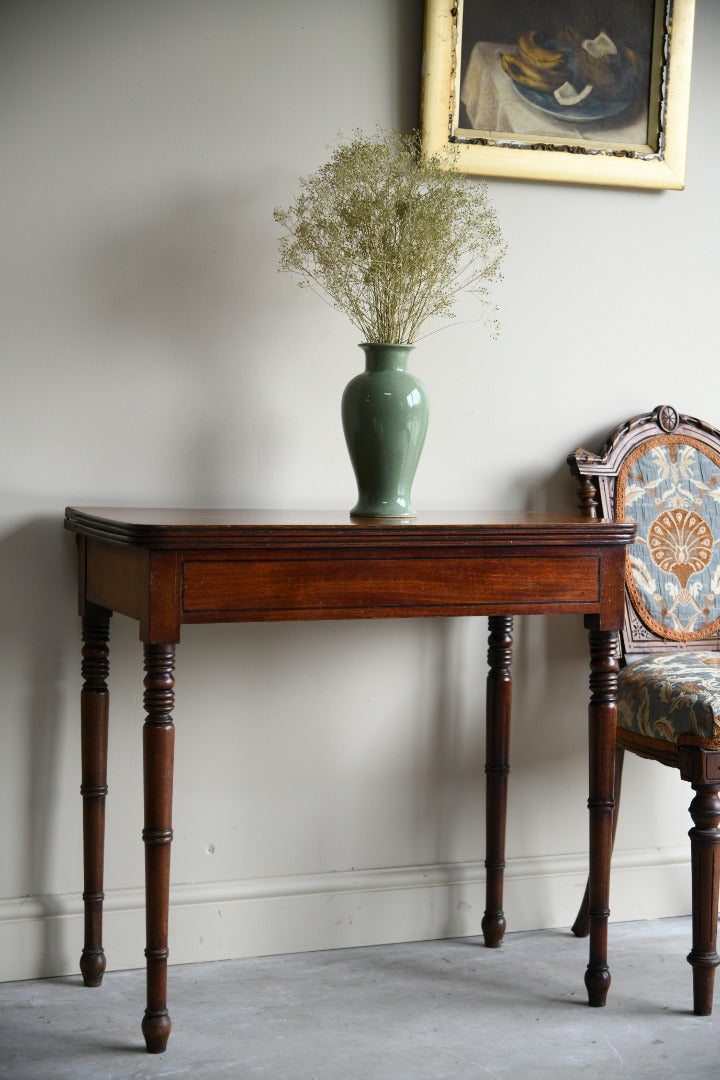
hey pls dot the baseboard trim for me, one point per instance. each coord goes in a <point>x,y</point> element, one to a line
<point>41,936</point>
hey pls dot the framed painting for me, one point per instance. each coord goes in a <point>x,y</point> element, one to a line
<point>587,91</point>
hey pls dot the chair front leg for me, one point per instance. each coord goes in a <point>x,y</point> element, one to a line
<point>705,856</point>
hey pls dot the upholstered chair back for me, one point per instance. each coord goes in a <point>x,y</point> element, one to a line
<point>662,471</point>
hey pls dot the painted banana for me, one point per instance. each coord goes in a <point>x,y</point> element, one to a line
<point>535,54</point>
<point>520,71</point>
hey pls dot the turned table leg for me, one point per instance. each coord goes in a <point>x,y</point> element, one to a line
<point>602,715</point>
<point>158,740</point>
<point>93,788</point>
<point>497,768</point>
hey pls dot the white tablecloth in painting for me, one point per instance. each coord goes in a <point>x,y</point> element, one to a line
<point>494,105</point>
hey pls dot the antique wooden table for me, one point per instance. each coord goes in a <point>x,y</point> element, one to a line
<point>169,567</point>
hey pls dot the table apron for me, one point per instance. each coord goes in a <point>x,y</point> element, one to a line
<point>230,589</point>
<point>164,589</point>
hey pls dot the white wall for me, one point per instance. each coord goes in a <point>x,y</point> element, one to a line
<point>329,776</point>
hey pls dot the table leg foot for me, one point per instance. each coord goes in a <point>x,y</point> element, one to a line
<point>92,966</point>
<point>493,929</point>
<point>597,982</point>
<point>156,1028</point>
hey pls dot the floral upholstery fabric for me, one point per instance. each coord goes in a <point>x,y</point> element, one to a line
<point>670,486</point>
<point>673,697</point>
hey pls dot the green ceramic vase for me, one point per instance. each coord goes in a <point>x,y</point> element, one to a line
<point>385,417</point>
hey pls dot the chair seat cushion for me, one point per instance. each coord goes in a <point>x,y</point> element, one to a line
<point>672,698</point>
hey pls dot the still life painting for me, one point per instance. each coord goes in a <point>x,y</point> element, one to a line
<point>553,89</point>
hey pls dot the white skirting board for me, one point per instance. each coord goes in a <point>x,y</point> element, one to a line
<point>42,936</point>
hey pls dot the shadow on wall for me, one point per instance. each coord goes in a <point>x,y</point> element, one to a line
<point>40,646</point>
<point>548,747</point>
<point>176,275</point>
<point>551,674</point>
<point>180,291</point>
<point>407,63</point>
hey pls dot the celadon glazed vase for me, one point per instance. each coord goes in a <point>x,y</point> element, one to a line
<point>385,418</point>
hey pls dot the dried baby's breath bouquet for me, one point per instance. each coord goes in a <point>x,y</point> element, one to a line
<point>391,236</point>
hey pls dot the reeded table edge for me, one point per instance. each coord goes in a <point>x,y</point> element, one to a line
<point>211,528</point>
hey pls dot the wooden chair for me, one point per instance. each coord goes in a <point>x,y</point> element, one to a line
<point>662,470</point>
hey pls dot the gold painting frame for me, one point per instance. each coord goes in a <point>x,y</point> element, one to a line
<point>578,157</point>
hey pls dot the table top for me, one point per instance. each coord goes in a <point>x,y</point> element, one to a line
<point>160,527</point>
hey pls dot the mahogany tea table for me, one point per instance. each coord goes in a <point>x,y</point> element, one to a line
<point>170,567</point>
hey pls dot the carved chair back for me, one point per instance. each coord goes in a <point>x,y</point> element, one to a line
<point>662,470</point>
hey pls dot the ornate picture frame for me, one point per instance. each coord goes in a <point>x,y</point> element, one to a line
<point>531,90</point>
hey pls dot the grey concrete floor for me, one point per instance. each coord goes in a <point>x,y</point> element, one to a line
<point>427,1011</point>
